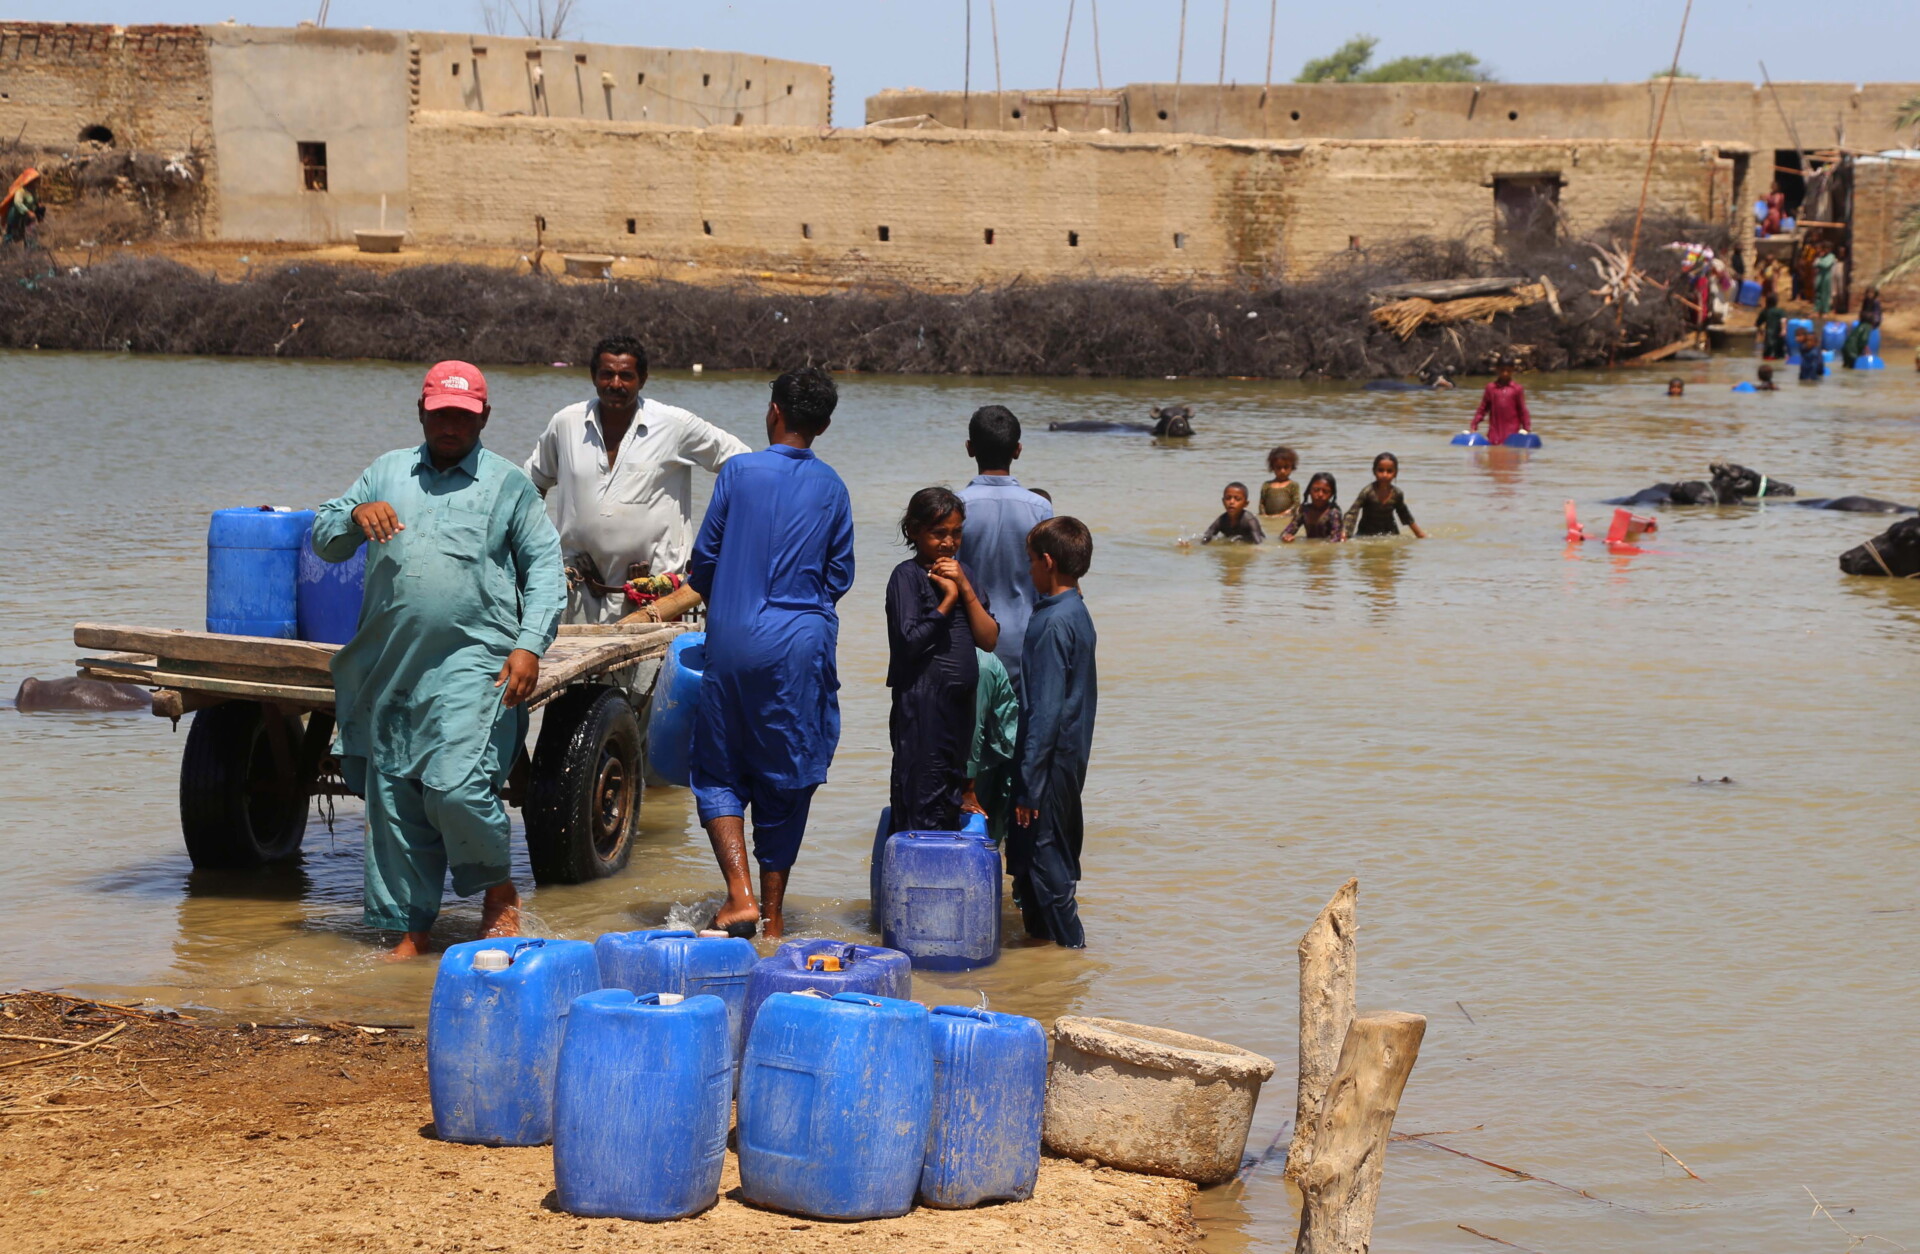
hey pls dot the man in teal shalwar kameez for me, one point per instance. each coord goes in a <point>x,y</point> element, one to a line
<point>464,593</point>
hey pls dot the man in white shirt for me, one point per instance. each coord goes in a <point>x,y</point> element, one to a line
<point>617,473</point>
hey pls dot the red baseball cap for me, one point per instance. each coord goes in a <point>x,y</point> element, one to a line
<point>454,385</point>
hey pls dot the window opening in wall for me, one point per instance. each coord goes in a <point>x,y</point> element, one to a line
<point>579,58</point>
<point>706,227</point>
<point>1179,239</point>
<point>706,80</point>
<point>97,134</point>
<point>1526,208</point>
<point>988,235</point>
<point>1295,115</point>
<point>1163,115</point>
<point>641,81</point>
<point>313,166</point>
<point>789,89</point>
<point>631,226</point>
<point>1016,114</point>
<point>1513,115</point>
<point>806,231</point>
<point>886,234</point>
<point>479,51</point>
<point>1788,172</point>
<point>739,118</point>
<point>749,86</point>
<point>455,67</point>
<point>1073,239</point>
<point>1353,243</point>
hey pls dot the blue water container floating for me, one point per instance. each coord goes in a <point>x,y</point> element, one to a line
<point>675,695</point>
<point>494,1025</point>
<point>1521,439</point>
<point>684,962</point>
<point>1469,439</point>
<point>1869,362</point>
<point>328,596</point>
<point>1746,386</point>
<point>940,899</point>
<point>1749,293</point>
<point>253,561</point>
<point>836,1096</point>
<point>640,1105</point>
<point>826,966</point>
<point>989,1092</point>
<point>1833,334</point>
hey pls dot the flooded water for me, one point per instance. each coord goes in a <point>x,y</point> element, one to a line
<point>1499,736</point>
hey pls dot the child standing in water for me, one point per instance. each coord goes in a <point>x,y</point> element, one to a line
<point>1236,523</point>
<point>1280,495</point>
<point>1376,505</point>
<point>934,621</point>
<point>1320,516</point>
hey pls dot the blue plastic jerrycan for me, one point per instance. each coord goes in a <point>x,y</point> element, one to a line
<point>989,1092</point>
<point>328,597</point>
<point>641,1105</point>
<point>676,694</point>
<point>253,560</point>
<point>940,899</point>
<point>972,825</point>
<point>1794,327</point>
<point>836,1095</point>
<point>498,1012</point>
<point>1833,334</point>
<point>826,966</point>
<point>680,961</point>
<point>1521,439</point>
<point>1469,439</point>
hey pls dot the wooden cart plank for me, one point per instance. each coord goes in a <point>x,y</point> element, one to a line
<point>205,646</point>
<point>569,630</point>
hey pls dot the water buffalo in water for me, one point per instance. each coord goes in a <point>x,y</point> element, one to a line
<point>1858,505</point>
<point>1895,552</point>
<point>1175,422</point>
<point>1431,380</point>
<point>74,693</point>
<point>1731,484</point>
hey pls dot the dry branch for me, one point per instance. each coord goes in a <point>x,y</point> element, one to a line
<point>1329,973</point>
<point>115,1030</point>
<point>1341,1186</point>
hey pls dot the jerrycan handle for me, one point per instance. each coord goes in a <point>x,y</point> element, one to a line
<point>674,932</point>
<point>965,1012</point>
<point>975,825</point>
<point>861,999</point>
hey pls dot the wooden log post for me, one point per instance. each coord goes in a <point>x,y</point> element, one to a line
<point>1341,1186</point>
<point>1328,972</point>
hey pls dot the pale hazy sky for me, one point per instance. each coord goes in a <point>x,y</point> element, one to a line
<point>898,43</point>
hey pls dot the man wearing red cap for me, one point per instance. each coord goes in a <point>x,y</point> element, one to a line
<point>464,593</point>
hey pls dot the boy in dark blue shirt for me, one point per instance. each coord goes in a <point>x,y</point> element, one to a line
<point>1059,690</point>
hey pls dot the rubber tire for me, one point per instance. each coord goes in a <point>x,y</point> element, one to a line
<point>226,823</point>
<point>590,733</point>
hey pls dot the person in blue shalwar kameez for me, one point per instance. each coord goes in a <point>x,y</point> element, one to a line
<point>464,593</point>
<point>773,558</point>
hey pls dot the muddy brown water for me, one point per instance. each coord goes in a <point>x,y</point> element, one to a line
<point>1498,735</point>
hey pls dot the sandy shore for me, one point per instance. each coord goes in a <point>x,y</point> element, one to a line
<point>170,1136</point>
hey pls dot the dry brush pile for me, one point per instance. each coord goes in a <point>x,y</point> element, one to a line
<point>1320,328</point>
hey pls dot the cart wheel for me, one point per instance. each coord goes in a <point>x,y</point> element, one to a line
<point>243,803</point>
<point>587,781</point>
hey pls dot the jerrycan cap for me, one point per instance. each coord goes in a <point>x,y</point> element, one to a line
<point>491,960</point>
<point>672,999</point>
<point>823,962</point>
<point>708,932</point>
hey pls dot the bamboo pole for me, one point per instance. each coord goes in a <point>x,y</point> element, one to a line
<point>1341,1186</point>
<point>1328,972</point>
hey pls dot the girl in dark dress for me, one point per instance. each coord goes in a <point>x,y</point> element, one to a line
<point>934,621</point>
<point>1320,516</point>
<point>1374,509</point>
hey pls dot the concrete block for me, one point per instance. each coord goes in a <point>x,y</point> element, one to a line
<point>1151,1100</point>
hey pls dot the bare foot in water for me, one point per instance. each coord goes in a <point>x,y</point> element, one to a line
<point>735,917</point>
<point>500,912</point>
<point>412,945</point>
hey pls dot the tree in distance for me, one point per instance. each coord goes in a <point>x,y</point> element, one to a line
<point>1349,64</point>
<point>1682,72</point>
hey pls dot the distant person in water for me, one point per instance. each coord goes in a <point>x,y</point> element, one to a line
<point>1824,264</point>
<point>1676,387</point>
<point>1280,495</point>
<point>1236,522</point>
<point>1854,347</point>
<point>1377,505</point>
<point>1773,329</point>
<point>935,618</point>
<point>1000,513</point>
<point>1504,406</point>
<point>1764,380</point>
<point>1319,517</point>
<point>1813,363</point>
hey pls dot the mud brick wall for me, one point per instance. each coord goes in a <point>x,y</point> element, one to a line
<point>148,85</point>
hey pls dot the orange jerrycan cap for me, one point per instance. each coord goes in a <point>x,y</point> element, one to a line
<point>823,962</point>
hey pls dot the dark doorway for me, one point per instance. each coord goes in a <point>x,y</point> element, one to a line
<point>1788,173</point>
<point>97,134</point>
<point>1526,209</point>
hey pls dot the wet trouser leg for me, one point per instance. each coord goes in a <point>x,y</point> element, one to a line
<point>1046,862</point>
<point>415,834</point>
<point>931,731</point>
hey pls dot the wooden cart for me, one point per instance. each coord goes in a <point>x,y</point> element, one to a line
<point>260,744</point>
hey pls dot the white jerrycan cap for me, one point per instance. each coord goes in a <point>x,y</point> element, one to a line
<point>672,999</point>
<point>707,932</point>
<point>491,960</point>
